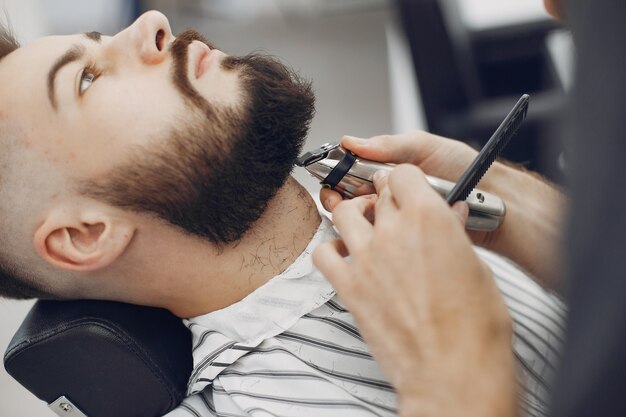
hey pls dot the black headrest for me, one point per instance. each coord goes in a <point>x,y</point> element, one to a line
<point>109,359</point>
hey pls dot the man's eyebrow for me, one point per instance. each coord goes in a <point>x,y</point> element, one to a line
<point>75,53</point>
<point>94,36</point>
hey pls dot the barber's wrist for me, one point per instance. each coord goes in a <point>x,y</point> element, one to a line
<point>531,232</point>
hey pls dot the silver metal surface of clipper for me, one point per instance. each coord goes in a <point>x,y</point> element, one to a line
<point>486,211</point>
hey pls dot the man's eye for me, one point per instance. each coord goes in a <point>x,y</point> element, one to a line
<point>87,78</point>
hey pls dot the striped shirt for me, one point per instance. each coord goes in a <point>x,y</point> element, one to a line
<point>292,349</point>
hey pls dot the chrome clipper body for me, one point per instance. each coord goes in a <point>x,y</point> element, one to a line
<point>351,176</point>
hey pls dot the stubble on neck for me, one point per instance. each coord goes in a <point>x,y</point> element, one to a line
<point>281,234</point>
<point>236,270</point>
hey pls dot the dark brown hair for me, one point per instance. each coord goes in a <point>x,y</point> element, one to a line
<point>13,283</point>
<point>8,43</point>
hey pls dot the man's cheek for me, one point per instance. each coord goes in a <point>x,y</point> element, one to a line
<point>137,117</point>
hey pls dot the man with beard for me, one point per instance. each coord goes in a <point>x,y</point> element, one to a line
<point>154,170</point>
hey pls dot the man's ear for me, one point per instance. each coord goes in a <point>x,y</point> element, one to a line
<point>82,239</point>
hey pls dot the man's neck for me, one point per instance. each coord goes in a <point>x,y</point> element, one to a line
<point>195,277</point>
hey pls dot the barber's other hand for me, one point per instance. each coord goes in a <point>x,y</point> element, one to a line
<point>424,302</point>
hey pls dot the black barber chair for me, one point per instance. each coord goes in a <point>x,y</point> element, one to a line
<point>102,359</point>
<point>470,78</point>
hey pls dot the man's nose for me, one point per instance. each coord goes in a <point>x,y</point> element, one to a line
<point>149,36</point>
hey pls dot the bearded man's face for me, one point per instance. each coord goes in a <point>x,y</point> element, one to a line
<point>169,126</point>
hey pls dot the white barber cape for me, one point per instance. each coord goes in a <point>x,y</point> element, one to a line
<point>291,348</point>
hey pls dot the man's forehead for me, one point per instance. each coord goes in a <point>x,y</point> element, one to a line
<point>38,54</point>
<point>23,81</point>
<point>47,46</point>
<point>23,72</point>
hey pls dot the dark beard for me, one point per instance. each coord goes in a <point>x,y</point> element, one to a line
<point>215,176</point>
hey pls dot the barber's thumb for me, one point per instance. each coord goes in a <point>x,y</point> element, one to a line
<point>380,179</point>
<point>353,142</point>
<point>461,209</point>
<point>330,199</point>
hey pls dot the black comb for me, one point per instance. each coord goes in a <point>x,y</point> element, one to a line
<point>492,149</point>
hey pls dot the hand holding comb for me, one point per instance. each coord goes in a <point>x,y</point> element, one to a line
<point>492,149</point>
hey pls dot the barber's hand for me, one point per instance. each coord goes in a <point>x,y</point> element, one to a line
<point>424,302</point>
<point>435,155</point>
<point>531,231</point>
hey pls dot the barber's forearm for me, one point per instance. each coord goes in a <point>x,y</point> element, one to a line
<point>531,232</point>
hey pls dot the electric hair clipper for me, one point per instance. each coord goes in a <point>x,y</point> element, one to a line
<point>351,176</point>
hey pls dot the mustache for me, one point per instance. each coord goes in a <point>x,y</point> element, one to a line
<point>184,38</point>
<point>179,50</point>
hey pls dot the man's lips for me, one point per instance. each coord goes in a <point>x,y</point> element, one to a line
<point>206,57</point>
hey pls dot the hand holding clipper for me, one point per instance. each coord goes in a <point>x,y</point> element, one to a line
<point>353,176</point>
<point>343,171</point>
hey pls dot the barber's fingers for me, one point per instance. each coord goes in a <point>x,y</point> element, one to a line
<point>364,149</point>
<point>381,182</point>
<point>409,186</point>
<point>380,179</point>
<point>329,259</point>
<point>385,148</point>
<point>461,209</point>
<point>351,220</point>
<point>330,199</point>
<point>385,203</point>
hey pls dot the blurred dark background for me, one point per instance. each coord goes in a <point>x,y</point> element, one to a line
<point>470,77</point>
